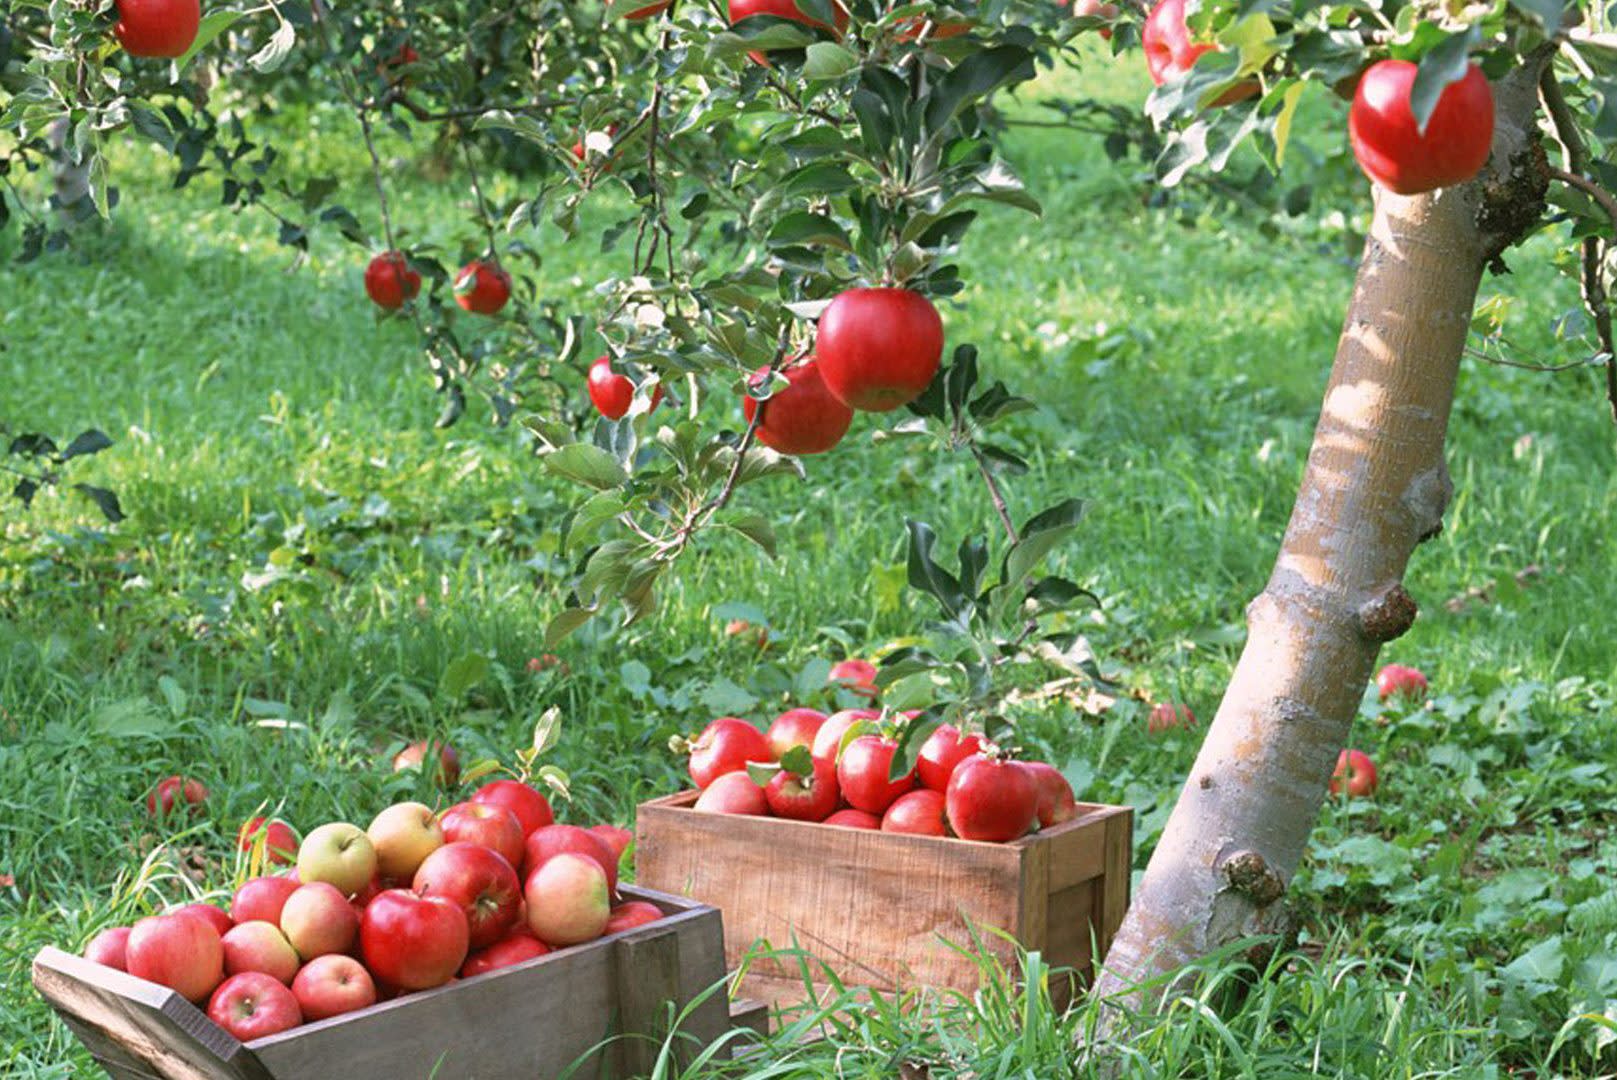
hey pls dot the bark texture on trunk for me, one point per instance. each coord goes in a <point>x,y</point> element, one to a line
<point>1375,485</point>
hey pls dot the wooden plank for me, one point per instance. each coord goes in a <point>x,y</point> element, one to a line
<point>1113,899</point>
<point>149,1026</point>
<point>646,977</point>
<point>1078,847</point>
<point>750,1014</point>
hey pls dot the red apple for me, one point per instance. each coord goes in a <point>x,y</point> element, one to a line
<point>412,757</point>
<point>108,947</point>
<point>1095,9</point>
<point>547,661</point>
<point>919,813</point>
<point>338,853</point>
<point>403,835</point>
<point>803,417</point>
<point>1166,717</point>
<point>158,29</point>
<point>1170,52</point>
<point>219,920</point>
<point>858,676</point>
<point>829,738</point>
<point>390,281</point>
<point>252,1005</point>
<point>1056,801</point>
<point>160,801</point>
<point>332,985</point>
<point>1396,680</point>
<point>794,727</point>
<point>481,881</point>
<point>941,752</point>
<point>181,952</point>
<point>627,916</point>
<point>786,9</point>
<point>261,899</point>
<point>319,920</point>
<point>878,349</point>
<point>494,827</point>
<point>482,287</point>
<point>733,793</point>
<point>854,819</point>
<point>725,746</point>
<point>812,797</point>
<point>612,393</point>
<point>568,900</point>
<point>616,836</point>
<point>862,774</point>
<point>1395,153</point>
<point>545,844</point>
<point>531,808</point>
<point>259,946</point>
<point>413,942</point>
<point>1359,773</point>
<point>992,799</point>
<point>513,948</point>
<point>280,842</point>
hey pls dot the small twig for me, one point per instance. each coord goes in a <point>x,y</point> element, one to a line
<point>1607,201</point>
<point>1502,362</point>
<point>482,204</point>
<point>994,492</point>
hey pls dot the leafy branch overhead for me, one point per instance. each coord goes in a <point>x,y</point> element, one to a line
<point>40,464</point>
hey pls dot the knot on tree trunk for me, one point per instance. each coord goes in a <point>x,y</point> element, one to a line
<point>1512,202</point>
<point>1388,615</point>
<point>1250,874</point>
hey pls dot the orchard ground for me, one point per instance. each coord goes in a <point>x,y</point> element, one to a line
<point>307,564</point>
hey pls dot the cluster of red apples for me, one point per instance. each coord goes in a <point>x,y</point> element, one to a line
<point>416,900</point>
<point>836,770</point>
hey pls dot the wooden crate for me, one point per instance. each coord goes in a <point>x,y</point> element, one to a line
<point>529,1021</point>
<point>882,909</point>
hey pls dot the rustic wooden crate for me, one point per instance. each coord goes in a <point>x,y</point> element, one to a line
<point>883,910</point>
<point>529,1021</point>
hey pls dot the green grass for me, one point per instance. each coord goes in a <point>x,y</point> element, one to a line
<point>1453,927</point>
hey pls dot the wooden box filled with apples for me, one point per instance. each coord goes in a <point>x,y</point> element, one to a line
<point>480,941</point>
<point>804,841</point>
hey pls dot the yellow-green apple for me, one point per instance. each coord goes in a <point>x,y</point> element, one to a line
<point>338,853</point>
<point>108,947</point>
<point>280,842</point>
<point>480,881</point>
<point>443,756</point>
<point>261,947</point>
<point>1056,801</point>
<point>568,900</point>
<point>1356,772</point>
<point>180,952</point>
<point>494,827</point>
<point>412,942</point>
<point>220,920</point>
<point>403,835</point>
<point>261,898</point>
<point>252,1005</point>
<point>633,913</point>
<point>318,920</point>
<point>733,793</point>
<point>331,985</point>
<point>552,840</point>
<point>794,727</point>
<point>531,808</point>
<point>516,946</point>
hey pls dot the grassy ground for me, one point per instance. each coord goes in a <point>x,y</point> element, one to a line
<point>305,557</point>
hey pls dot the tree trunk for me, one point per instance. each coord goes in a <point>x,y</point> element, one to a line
<point>1375,485</point>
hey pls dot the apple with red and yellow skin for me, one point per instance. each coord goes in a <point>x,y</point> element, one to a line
<point>733,793</point>
<point>568,900</point>
<point>531,808</point>
<point>403,835</point>
<point>340,854</point>
<point>261,899</point>
<point>181,952</point>
<point>160,802</point>
<point>414,755</point>
<point>1397,680</point>
<point>280,842</point>
<point>801,418</point>
<point>545,844</point>
<point>1170,52</point>
<point>853,819</point>
<point>157,29</point>
<point>412,942</point>
<point>108,948</point>
<point>918,813</point>
<point>1166,716</point>
<point>513,948</point>
<point>259,946</point>
<point>794,727</point>
<point>481,881</point>
<point>331,985</point>
<point>878,349</point>
<point>616,836</point>
<point>218,919</point>
<point>630,914</point>
<point>482,287</point>
<point>1096,9</point>
<point>493,827</point>
<point>1056,801</point>
<point>318,920</point>
<point>1356,773</point>
<point>828,739</point>
<point>252,1005</point>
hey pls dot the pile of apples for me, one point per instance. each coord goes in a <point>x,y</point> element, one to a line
<point>836,770</point>
<point>416,900</point>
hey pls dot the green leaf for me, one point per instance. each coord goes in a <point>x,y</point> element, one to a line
<point>635,678</point>
<point>586,464</point>
<point>462,674</point>
<point>565,622</point>
<point>547,730</point>
<point>1541,964</point>
<point>924,572</point>
<point>1038,537</point>
<point>910,740</point>
<point>105,501</point>
<point>1547,13</point>
<point>86,443</point>
<point>213,24</point>
<point>818,178</point>
<point>130,718</point>
<point>977,76</point>
<point>803,228</point>
<point>754,527</point>
<point>152,124</point>
<point>173,694</point>
<point>480,769</point>
<point>828,60</point>
<point>799,761</point>
<point>1446,63</point>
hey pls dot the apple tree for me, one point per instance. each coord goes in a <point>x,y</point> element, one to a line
<point>786,185</point>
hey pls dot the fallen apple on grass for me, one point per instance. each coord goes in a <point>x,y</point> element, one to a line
<point>1399,681</point>
<point>418,754</point>
<point>175,790</point>
<point>1355,773</point>
<point>280,843</point>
